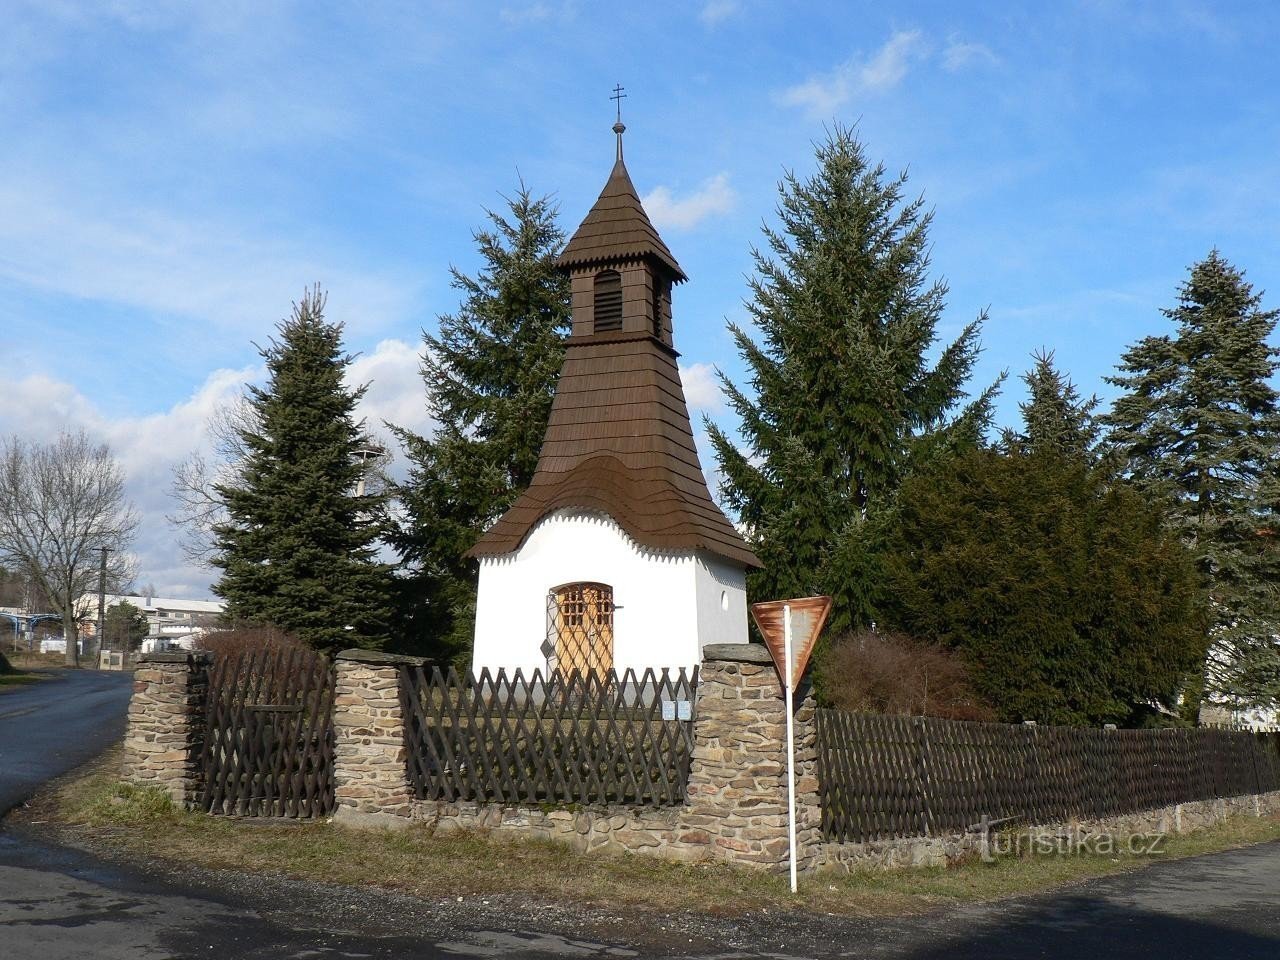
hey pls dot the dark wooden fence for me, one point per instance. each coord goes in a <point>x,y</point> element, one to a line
<point>882,777</point>
<point>586,738</point>
<point>268,748</point>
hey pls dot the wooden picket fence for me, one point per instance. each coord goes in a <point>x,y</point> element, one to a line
<point>586,738</point>
<point>884,777</point>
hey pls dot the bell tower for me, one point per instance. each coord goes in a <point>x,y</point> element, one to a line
<point>620,270</point>
<point>617,537</point>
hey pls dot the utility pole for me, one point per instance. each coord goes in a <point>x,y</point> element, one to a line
<point>102,603</point>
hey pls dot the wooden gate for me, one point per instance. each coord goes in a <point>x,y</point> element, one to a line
<point>268,748</point>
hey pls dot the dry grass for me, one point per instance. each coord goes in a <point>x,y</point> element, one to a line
<point>35,660</point>
<point>143,823</point>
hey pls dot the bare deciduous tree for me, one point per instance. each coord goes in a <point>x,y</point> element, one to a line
<point>199,508</point>
<point>60,504</point>
<point>196,479</point>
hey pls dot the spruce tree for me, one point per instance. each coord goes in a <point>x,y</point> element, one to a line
<point>490,375</point>
<point>842,402</point>
<point>298,550</point>
<point>1054,416</point>
<point>1199,424</point>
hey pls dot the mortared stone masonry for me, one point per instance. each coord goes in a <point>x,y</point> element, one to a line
<point>736,806</point>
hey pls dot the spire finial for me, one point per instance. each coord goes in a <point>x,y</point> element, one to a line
<point>619,127</point>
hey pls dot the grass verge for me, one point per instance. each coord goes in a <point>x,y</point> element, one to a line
<point>11,681</point>
<point>12,677</point>
<point>144,823</point>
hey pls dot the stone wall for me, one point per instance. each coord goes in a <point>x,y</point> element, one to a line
<point>736,807</point>
<point>952,848</point>
<point>165,732</point>
<point>737,795</point>
<point>370,760</point>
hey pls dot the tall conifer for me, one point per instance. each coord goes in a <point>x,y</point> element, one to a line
<point>842,402</point>
<point>1199,423</point>
<point>490,375</point>
<point>298,548</point>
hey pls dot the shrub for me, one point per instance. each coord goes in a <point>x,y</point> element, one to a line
<point>234,642</point>
<point>869,671</point>
<point>1061,586</point>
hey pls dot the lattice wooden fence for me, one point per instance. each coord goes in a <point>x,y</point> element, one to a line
<point>579,738</point>
<point>882,777</point>
<point>268,749</point>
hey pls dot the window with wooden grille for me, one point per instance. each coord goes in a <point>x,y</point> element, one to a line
<point>608,301</point>
<point>580,630</point>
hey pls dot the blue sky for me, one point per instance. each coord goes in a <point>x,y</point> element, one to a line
<point>172,175</point>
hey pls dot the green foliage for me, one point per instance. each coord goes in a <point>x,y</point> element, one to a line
<point>298,549</point>
<point>1055,418</point>
<point>124,628</point>
<point>490,376</point>
<point>1199,424</point>
<point>1064,591</point>
<point>129,803</point>
<point>843,404</point>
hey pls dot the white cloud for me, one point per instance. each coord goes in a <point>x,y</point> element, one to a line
<point>217,272</point>
<point>396,394</point>
<point>713,197</point>
<point>520,16</point>
<point>701,387</point>
<point>715,12</point>
<point>958,55</point>
<point>149,446</point>
<point>883,70</point>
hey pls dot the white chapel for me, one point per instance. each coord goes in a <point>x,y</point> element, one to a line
<point>616,557</point>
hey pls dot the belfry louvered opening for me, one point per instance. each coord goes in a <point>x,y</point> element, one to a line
<point>661,292</point>
<point>608,301</point>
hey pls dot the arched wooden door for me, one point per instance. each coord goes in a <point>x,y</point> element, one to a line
<point>581,625</point>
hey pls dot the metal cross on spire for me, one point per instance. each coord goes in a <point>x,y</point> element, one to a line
<point>619,127</point>
<point>618,97</point>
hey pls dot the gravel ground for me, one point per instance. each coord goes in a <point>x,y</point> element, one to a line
<point>355,912</point>
<point>68,894</point>
<point>1222,905</point>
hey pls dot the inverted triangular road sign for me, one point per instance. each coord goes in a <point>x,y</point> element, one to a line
<point>808,614</point>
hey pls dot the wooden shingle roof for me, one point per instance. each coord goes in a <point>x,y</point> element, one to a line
<point>618,439</point>
<point>617,228</point>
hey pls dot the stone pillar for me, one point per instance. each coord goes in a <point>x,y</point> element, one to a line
<point>166,725</point>
<point>370,768</point>
<point>737,792</point>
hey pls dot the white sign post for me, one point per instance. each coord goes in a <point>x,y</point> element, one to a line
<point>790,655</point>
<point>788,682</point>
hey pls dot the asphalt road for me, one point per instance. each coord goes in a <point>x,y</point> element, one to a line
<point>57,902</point>
<point>53,726</point>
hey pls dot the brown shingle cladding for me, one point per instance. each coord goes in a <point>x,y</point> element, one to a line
<point>617,228</point>
<point>618,439</point>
